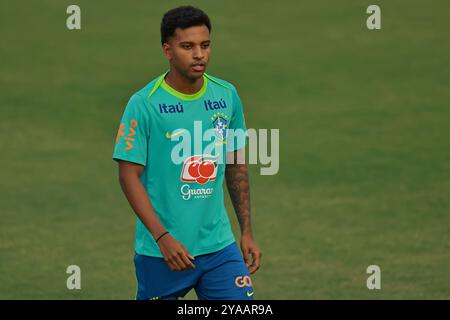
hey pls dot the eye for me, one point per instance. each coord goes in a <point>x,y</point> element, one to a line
<point>205,46</point>
<point>186,46</point>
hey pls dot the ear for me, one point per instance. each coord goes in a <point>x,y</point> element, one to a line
<point>167,50</point>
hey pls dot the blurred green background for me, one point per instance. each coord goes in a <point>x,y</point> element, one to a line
<point>364,125</point>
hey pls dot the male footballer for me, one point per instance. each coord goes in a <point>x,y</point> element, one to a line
<point>183,235</point>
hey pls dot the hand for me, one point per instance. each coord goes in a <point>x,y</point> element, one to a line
<point>249,247</point>
<point>175,254</point>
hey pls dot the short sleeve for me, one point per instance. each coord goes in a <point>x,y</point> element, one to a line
<point>132,137</point>
<point>237,137</point>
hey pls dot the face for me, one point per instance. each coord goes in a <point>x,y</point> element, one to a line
<point>188,51</point>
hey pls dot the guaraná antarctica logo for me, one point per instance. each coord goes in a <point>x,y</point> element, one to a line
<point>198,169</point>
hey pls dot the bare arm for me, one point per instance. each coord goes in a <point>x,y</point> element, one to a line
<point>175,254</point>
<point>236,176</point>
<point>137,197</point>
<point>237,179</point>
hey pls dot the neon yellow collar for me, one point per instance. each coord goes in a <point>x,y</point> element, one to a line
<point>184,96</point>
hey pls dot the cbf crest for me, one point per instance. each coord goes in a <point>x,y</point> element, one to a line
<point>220,124</point>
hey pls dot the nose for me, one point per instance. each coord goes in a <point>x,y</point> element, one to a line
<point>198,53</point>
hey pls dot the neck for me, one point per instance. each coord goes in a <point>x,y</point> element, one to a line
<point>183,84</point>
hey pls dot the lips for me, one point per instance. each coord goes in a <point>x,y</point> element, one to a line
<point>198,67</point>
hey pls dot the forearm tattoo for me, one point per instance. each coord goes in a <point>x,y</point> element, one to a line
<point>239,189</point>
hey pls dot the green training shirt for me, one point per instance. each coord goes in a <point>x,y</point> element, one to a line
<point>181,140</point>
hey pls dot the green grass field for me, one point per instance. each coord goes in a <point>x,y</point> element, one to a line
<point>364,121</point>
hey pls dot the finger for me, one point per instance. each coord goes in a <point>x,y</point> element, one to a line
<point>185,255</point>
<point>253,268</point>
<point>245,256</point>
<point>179,262</point>
<point>174,263</point>
<point>171,266</point>
<point>188,254</point>
<point>256,261</point>
<point>186,261</point>
<point>174,266</point>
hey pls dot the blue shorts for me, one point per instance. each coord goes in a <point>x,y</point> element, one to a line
<point>220,275</point>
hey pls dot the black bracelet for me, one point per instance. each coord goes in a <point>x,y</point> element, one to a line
<point>162,235</point>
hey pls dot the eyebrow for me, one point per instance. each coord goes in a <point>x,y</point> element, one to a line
<point>190,42</point>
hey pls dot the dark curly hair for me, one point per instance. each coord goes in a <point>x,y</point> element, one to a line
<point>182,17</point>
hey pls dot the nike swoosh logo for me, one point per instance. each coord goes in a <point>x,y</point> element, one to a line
<point>177,133</point>
<point>249,294</point>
